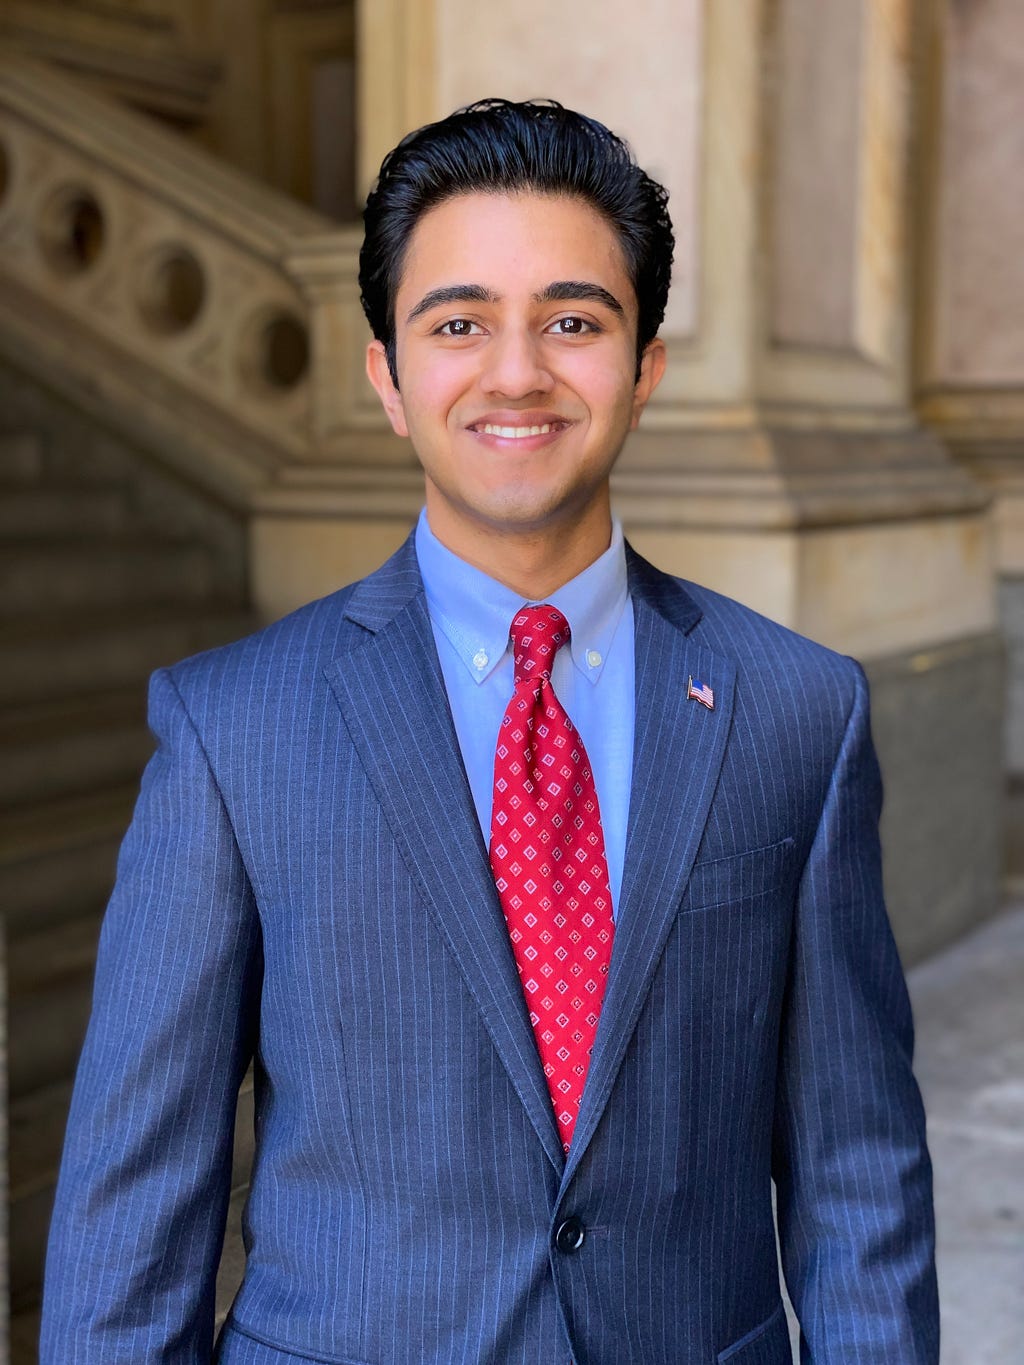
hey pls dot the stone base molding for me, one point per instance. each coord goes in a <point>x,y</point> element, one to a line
<point>937,717</point>
<point>827,531</point>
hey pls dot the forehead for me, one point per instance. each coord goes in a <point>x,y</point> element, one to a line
<point>511,242</point>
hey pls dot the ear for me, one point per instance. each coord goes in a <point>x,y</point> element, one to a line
<point>652,367</point>
<point>379,375</point>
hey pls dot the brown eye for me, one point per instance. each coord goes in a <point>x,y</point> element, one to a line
<point>572,327</point>
<point>457,327</point>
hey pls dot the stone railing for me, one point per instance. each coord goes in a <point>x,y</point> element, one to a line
<point>149,281</point>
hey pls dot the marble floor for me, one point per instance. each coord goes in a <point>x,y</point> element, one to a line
<point>969,1012</point>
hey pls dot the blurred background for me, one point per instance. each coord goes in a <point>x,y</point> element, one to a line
<point>188,446</point>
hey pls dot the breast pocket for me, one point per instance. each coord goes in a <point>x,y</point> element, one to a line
<point>758,872</point>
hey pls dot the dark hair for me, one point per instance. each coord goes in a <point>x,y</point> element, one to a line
<point>504,147</point>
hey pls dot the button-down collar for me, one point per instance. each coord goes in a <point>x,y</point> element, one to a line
<point>475,610</point>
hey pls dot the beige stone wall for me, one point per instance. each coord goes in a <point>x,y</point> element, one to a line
<point>297,559</point>
<point>970,318</point>
<point>970,334</point>
<point>564,51</point>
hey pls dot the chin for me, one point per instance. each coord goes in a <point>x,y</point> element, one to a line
<point>536,508</point>
<point>526,516</point>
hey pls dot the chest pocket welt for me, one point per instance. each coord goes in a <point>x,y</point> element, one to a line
<point>741,877</point>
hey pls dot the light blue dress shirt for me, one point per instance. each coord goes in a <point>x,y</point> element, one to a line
<point>593,678</point>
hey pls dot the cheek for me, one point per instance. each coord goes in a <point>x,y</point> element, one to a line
<point>607,388</point>
<point>611,403</point>
<point>435,391</point>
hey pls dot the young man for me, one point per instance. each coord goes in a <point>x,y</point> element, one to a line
<point>544,887</point>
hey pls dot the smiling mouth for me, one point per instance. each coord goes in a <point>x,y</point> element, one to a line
<point>518,433</point>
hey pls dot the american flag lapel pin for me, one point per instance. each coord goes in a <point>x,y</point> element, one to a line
<point>699,691</point>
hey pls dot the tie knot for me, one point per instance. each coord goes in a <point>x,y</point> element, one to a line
<point>537,635</point>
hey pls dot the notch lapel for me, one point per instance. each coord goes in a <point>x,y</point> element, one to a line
<point>391,692</point>
<point>678,750</point>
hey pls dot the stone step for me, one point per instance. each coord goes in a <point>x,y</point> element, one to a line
<point>25,1335</point>
<point>57,857</point>
<point>47,828</point>
<point>55,886</point>
<point>37,1123</point>
<point>36,1136</point>
<point>52,512</point>
<point>47,576</point>
<point>52,655</point>
<point>58,746</point>
<point>21,458</point>
<point>51,959</point>
<point>50,975</point>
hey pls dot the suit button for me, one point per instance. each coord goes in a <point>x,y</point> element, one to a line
<point>570,1236</point>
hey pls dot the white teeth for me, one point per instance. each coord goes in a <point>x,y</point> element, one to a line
<point>516,433</point>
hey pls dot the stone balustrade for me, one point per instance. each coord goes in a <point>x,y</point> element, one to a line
<point>141,275</point>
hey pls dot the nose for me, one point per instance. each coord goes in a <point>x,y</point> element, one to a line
<point>515,365</point>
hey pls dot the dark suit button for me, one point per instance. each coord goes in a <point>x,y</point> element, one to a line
<point>570,1236</point>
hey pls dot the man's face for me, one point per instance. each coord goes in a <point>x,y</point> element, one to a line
<point>515,324</point>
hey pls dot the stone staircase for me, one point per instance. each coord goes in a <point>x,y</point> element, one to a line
<point>102,579</point>
<point>176,344</point>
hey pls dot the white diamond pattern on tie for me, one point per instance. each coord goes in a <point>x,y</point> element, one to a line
<point>548,858</point>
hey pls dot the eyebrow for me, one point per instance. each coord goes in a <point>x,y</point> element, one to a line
<point>561,291</point>
<point>451,293</point>
<point>580,291</point>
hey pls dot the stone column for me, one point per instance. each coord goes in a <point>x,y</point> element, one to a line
<point>782,460</point>
<point>970,335</point>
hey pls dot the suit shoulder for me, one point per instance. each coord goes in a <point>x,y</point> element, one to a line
<point>778,658</point>
<point>273,656</point>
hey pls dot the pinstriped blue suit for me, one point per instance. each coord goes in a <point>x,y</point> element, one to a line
<point>305,878</point>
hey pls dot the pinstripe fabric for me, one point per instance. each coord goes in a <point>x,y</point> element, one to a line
<point>305,877</point>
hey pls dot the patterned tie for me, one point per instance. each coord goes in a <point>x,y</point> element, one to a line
<point>548,859</point>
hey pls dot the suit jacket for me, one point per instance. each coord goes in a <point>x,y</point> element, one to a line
<point>305,881</point>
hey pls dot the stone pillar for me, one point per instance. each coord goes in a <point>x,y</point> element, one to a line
<point>970,337</point>
<point>782,460</point>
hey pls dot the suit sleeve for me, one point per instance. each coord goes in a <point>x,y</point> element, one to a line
<point>144,1184</point>
<point>850,1161</point>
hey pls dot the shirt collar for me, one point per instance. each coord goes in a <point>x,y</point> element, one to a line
<point>475,611</point>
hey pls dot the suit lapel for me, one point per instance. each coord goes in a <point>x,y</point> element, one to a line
<point>392,696</point>
<point>677,755</point>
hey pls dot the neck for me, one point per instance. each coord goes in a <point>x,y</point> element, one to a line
<point>532,562</point>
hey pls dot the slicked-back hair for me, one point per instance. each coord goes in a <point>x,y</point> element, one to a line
<point>502,147</point>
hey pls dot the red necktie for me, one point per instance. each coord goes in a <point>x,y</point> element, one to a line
<point>548,859</point>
